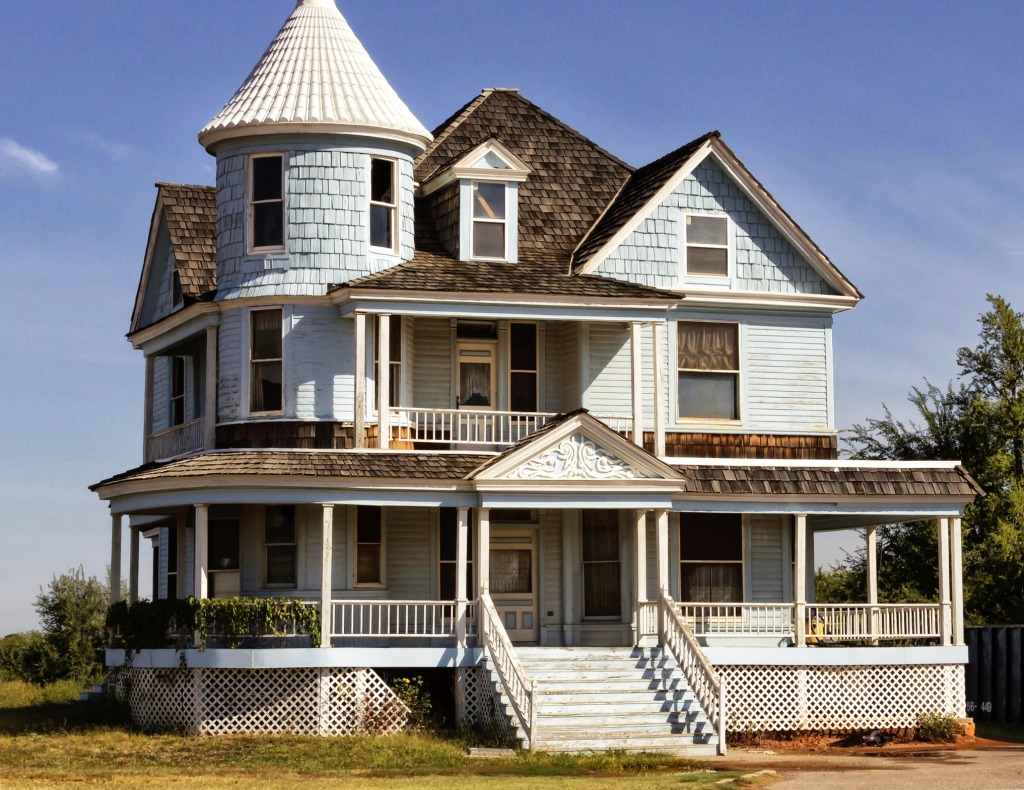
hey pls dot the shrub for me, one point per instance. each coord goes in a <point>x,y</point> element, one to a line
<point>936,727</point>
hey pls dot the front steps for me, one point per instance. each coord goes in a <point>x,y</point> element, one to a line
<point>608,698</point>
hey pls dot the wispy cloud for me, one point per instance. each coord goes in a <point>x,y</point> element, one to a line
<point>116,151</point>
<point>15,155</point>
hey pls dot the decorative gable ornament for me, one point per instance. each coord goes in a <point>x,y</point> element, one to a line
<point>577,458</point>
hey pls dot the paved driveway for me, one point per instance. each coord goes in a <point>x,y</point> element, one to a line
<point>976,769</point>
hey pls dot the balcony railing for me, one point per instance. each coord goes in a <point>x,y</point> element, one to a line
<point>468,427</point>
<point>185,438</point>
<point>365,620</point>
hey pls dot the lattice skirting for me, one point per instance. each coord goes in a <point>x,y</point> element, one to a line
<point>478,705</point>
<point>305,701</point>
<point>838,698</point>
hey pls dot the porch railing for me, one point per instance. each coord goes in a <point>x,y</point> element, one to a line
<point>855,622</point>
<point>709,689</point>
<point>185,438</point>
<point>370,619</point>
<point>498,650</point>
<point>465,426</point>
<point>738,619</point>
<point>618,423</point>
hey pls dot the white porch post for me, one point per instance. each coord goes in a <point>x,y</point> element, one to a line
<point>383,381</point>
<point>359,407</point>
<point>872,563</point>
<point>956,547</point>
<point>133,566</point>
<point>659,388</point>
<point>944,602</point>
<point>483,549</point>
<point>115,557</point>
<point>461,565</point>
<point>661,516</point>
<point>211,387</point>
<point>326,574</point>
<point>636,381</point>
<point>200,580</point>
<point>640,520</point>
<point>800,582</point>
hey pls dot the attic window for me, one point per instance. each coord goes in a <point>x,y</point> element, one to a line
<point>176,294</point>
<point>489,220</point>
<point>383,206</point>
<point>266,202</point>
<point>707,245</point>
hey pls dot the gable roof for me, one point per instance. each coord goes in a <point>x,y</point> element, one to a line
<point>572,179</point>
<point>315,77</point>
<point>190,214</point>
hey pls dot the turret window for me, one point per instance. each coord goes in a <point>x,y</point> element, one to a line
<point>265,354</point>
<point>266,202</point>
<point>383,204</point>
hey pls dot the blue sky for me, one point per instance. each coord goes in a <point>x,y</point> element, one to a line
<point>889,131</point>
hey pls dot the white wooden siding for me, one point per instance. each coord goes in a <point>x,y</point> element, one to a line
<point>231,357</point>
<point>569,356</point>
<point>322,348</point>
<point>609,388</point>
<point>410,564</point>
<point>652,558</point>
<point>432,364</point>
<point>766,558</point>
<point>550,569</point>
<point>161,571</point>
<point>554,371</point>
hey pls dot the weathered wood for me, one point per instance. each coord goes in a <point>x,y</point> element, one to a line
<point>746,445</point>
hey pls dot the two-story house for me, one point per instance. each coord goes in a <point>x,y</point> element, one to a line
<point>493,400</point>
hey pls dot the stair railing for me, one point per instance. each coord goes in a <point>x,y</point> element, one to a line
<point>520,690</point>
<point>707,685</point>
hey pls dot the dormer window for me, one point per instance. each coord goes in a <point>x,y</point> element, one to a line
<point>266,202</point>
<point>383,204</point>
<point>489,220</point>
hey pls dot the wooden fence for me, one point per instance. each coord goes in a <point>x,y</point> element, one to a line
<point>994,673</point>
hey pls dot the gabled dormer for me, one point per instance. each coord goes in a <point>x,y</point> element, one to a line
<point>484,187</point>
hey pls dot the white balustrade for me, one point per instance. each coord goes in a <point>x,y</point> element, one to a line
<point>647,614</point>
<point>738,619</point>
<point>887,621</point>
<point>372,619</point>
<point>466,426</point>
<point>618,423</point>
<point>179,440</point>
<point>499,652</point>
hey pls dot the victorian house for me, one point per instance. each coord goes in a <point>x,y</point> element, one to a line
<point>495,401</point>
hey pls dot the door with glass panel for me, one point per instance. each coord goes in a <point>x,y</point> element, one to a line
<point>513,582</point>
<point>477,363</point>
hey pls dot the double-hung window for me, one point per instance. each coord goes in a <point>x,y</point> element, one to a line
<point>708,367</point>
<point>177,390</point>
<point>523,367</point>
<point>394,361</point>
<point>711,557</point>
<point>266,202</point>
<point>448,558</point>
<point>707,245</point>
<point>280,547</point>
<point>369,564</point>
<point>602,597</point>
<point>383,204</point>
<point>265,361</point>
<point>489,220</point>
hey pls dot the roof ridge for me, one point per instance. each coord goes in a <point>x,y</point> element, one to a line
<point>443,130</point>
<point>160,184</point>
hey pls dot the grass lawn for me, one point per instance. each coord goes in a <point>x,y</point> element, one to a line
<point>46,742</point>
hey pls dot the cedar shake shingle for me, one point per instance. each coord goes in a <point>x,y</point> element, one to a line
<point>191,215</point>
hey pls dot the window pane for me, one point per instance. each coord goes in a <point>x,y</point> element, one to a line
<point>368,524</point>
<point>600,535</point>
<point>446,581</point>
<point>382,181</point>
<point>710,395</point>
<point>477,330</point>
<point>601,591</point>
<point>266,334</point>
<point>475,383</point>
<point>488,240</point>
<point>266,386</point>
<point>380,226</point>
<point>523,346</point>
<point>280,524</point>
<point>267,225</point>
<point>266,178</point>
<point>511,571</point>
<point>708,346</point>
<point>280,564</point>
<point>711,583</point>
<point>707,230</point>
<point>707,260</point>
<point>489,201</point>
<point>172,550</point>
<point>708,536</point>
<point>368,563</point>
<point>523,392</point>
<point>222,545</point>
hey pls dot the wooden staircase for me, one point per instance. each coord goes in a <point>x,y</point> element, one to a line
<point>605,698</point>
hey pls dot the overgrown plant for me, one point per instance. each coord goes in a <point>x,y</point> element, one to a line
<point>936,727</point>
<point>417,699</point>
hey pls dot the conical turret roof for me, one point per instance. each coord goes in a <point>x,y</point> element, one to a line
<point>315,77</point>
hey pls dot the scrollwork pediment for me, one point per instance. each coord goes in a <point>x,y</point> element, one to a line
<point>576,458</point>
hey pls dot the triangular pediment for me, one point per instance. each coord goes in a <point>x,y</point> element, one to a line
<point>577,448</point>
<point>489,161</point>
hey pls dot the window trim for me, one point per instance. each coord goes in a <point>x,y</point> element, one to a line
<point>743,562</point>
<point>689,420</point>
<point>392,207</point>
<point>620,562</point>
<point>730,247</point>
<point>511,204</point>
<point>280,360</point>
<point>382,584</point>
<point>250,230</point>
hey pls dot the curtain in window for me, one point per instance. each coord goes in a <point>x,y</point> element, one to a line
<point>711,583</point>
<point>704,346</point>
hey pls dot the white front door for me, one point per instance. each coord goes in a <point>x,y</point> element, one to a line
<point>514,583</point>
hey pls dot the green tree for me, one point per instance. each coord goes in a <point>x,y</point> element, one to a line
<point>72,612</point>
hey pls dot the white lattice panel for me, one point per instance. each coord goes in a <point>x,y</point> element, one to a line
<point>158,698</point>
<point>236,701</point>
<point>358,700</point>
<point>478,704</point>
<point>838,698</point>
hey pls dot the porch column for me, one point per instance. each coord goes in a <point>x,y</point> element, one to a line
<point>636,382</point>
<point>659,388</point>
<point>200,582</point>
<point>383,381</point>
<point>211,387</point>
<point>133,566</point>
<point>115,557</point>
<point>944,602</point>
<point>483,549</point>
<point>359,407</point>
<point>872,567</point>
<point>147,417</point>
<point>640,521</point>
<point>461,564</point>
<point>800,582</point>
<point>326,575</point>
<point>956,547</point>
<point>661,516</point>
